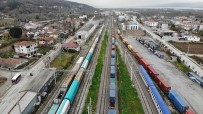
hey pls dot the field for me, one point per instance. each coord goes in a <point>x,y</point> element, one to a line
<point>94,88</point>
<point>63,61</point>
<point>2,80</point>
<point>129,102</point>
<point>194,48</point>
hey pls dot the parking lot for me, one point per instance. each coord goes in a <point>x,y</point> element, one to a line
<point>191,92</point>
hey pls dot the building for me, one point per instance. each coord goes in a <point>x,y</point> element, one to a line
<point>151,23</point>
<point>42,83</point>
<point>84,33</point>
<point>26,48</point>
<point>25,104</point>
<point>12,62</point>
<point>121,18</point>
<point>131,25</point>
<point>73,45</point>
<point>46,41</point>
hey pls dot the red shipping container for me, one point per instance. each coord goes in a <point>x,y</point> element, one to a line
<point>138,56</point>
<point>144,63</point>
<point>163,85</point>
<point>189,112</point>
<point>152,72</point>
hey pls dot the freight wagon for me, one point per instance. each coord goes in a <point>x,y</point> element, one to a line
<point>177,100</point>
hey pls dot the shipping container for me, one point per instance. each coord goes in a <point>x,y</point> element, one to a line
<point>163,85</point>
<point>113,61</point>
<point>113,42</point>
<point>113,47</point>
<point>163,109</point>
<point>112,96</point>
<point>130,47</point>
<point>152,72</point>
<point>189,112</point>
<point>134,52</point>
<point>113,53</point>
<point>85,64</point>
<point>70,95</point>
<point>112,111</point>
<point>177,100</point>
<point>64,107</point>
<point>113,72</point>
<point>79,75</point>
<point>138,56</point>
<point>144,63</point>
<point>112,80</point>
<point>91,49</point>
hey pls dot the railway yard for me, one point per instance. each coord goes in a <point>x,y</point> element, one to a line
<point>114,73</point>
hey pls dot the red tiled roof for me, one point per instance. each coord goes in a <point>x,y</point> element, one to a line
<point>10,61</point>
<point>24,43</point>
<point>71,44</point>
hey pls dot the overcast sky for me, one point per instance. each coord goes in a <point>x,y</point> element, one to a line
<point>129,3</point>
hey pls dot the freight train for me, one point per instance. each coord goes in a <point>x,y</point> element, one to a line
<point>112,77</point>
<point>72,91</point>
<point>173,96</point>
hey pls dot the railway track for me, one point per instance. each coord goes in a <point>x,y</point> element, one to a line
<point>102,101</point>
<point>83,52</point>
<point>79,101</point>
<point>131,63</point>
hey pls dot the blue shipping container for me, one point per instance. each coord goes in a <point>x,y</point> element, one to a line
<point>112,95</point>
<point>146,76</point>
<point>113,61</point>
<point>113,71</point>
<point>112,80</point>
<point>70,95</point>
<point>113,54</point>
<point>113,42</point>
<point>111,111</point>
<point>160,101</point>
<point>177,101</point>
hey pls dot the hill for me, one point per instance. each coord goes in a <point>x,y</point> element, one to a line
<point>41,9</point>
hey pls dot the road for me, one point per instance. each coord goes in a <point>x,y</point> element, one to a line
<point>11,96</point>
<point>191,92</point>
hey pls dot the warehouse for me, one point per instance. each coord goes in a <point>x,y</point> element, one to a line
<point>24,105</point>
<point>132,26</point>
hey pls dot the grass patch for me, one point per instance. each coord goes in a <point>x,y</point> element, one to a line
<point>44,49</point>
<point>181,66</point>
<point>128,100</point>
<point>63,60</point>
<point>94,88</point>
<point>8,54</point>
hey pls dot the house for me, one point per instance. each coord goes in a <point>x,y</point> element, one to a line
<point>72,45</point>
<point>33,34</point>
<point>46,41</point>
<point>131,25</point>
<point>26,48</point>
<point>12,62</point>
<point>151,23</point>
<point>30,25</point>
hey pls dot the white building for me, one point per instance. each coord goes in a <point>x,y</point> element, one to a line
<point>151,23</point>
<point>132,26</point>
<point>201,27</point>
<point>26,48</point>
